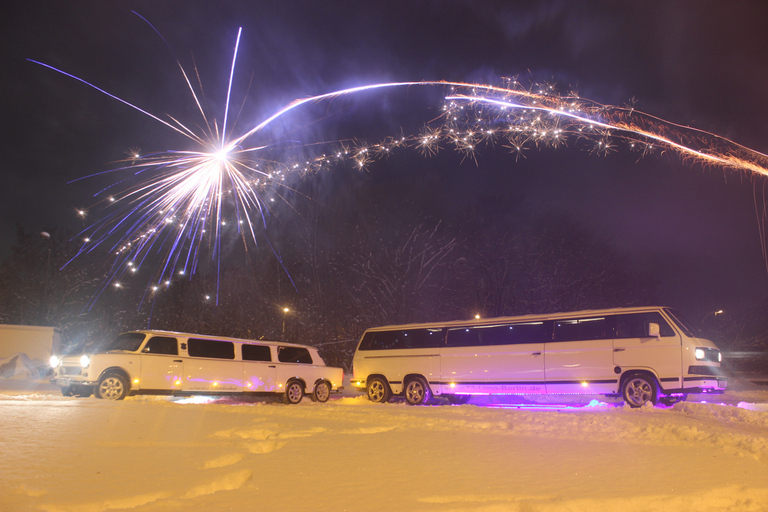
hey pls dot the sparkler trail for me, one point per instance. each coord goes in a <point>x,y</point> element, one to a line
<point>182,200</point>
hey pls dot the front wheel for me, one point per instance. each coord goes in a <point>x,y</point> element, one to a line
<point>417,391</point>
<point>294,392</point>
<point>378,390</point>
<point>322,392</point>
<point>112,386</point>
<point>638,390</point>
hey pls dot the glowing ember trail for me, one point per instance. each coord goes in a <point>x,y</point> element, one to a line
<point>182,199</point>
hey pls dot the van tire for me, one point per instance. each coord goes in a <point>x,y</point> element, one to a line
<point>417,391</point>
<point>322,392</point>
<point>112,386</point>
<point>378,390</point>
<point>638,389</point>
<point>294,392</point>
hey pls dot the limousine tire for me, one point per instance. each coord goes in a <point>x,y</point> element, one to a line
<point>294,392</point>
<point>378,390</point>
<point>112,386</point>
<point>639,389</point>
<point>322,392</point>
<point>417,391</point>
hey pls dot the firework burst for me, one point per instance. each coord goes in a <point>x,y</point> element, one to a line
<point>180,206</point>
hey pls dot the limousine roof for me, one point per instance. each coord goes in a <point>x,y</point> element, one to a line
<point>217,338</point>
<point>524,318</point>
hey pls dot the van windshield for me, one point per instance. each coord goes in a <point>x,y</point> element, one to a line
<point>129,341</point>
<point>682,322</point>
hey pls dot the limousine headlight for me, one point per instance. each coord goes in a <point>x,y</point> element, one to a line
<point>55,361</point>
<point>85,361</point>
<point>700,354</point>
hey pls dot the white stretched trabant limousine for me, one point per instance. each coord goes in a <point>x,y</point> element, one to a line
<point>174,363</point>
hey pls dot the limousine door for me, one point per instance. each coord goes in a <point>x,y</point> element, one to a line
<point>259,371</point>
<point>498,359</point>
<point>580,357</point>
<point>634,348</point>
<point>161,366</point>
<point>212,367</point>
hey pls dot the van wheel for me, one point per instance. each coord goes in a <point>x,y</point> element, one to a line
<point>322,392</point>
<point>294,392</point>
<point>378,390</point>
<point>112,386</point>
<point>638,390</point>
<point>417,391</point>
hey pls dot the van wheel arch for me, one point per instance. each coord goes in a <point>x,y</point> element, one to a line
<point>377,388</point>
<point>639,387</point>
<point>416,390</point>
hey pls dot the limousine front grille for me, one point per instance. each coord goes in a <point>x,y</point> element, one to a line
<point>705,370</point>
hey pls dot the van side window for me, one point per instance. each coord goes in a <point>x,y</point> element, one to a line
<point>293,355</point>
<point>162,345</point>
<point>211,348</point>
<point>410,338</point>
<point>532,332</point>
<point>256,353</point>
<point>578,329</point>
<point>635,325</point>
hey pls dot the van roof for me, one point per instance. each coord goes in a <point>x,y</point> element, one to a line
<point>523,318</point>
<point>217,338</point>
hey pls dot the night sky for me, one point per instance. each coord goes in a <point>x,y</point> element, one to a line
<point>697,63</point>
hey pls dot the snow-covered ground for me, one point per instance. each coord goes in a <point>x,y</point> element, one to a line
<point>162,454</point>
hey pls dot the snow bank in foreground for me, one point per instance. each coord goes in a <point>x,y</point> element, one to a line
<point>159,454</point>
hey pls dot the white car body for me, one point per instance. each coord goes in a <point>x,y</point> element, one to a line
<point>162,362</point>
<point>646,354</point>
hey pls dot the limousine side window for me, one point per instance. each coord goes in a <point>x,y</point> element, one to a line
<point>409,338</point>
<point>256,353</point>
<point>579,329</point>
<point>532,332</point>
<point>162,345</point>
<point>211,348</point>
<point>635,325</point>
<point>293,355</point>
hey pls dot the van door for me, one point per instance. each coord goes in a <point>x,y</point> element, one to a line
<point>634,348</point>
<point>579,359</point>
<point>259,371</point>
<point>161,366</point>
<point>494,359</point>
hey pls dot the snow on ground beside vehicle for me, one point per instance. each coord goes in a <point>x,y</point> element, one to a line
<point>161,454</point>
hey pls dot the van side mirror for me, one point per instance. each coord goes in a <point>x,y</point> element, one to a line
<point>653,330</point>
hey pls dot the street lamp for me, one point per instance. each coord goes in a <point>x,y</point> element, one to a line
<point>285,313</point>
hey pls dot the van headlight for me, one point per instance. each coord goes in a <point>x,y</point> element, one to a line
<point>54,361</point>
<point>85,361</point>
<point>701,354</point>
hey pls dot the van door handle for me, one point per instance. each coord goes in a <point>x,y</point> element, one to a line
<point>536,354</point>
<point>178,361</point>
<point>272,366</point>
<point>619,349</point>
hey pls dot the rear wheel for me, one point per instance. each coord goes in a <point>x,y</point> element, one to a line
<point>417,391</point>
<point>322,392</point>
<point>378,390</point>
<point>294,392</point>
<point>640,389</point>
<point>112,386</point>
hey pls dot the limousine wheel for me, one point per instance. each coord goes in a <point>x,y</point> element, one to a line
<point>378,390</point>
<point>112,386</point>
<point>417,391</point>
<point>322,392</point>
<point>638,390</point>
<point>294,392</point>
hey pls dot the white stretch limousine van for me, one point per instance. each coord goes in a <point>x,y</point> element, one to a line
<point>645,354</point>
<point>174,363</point>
